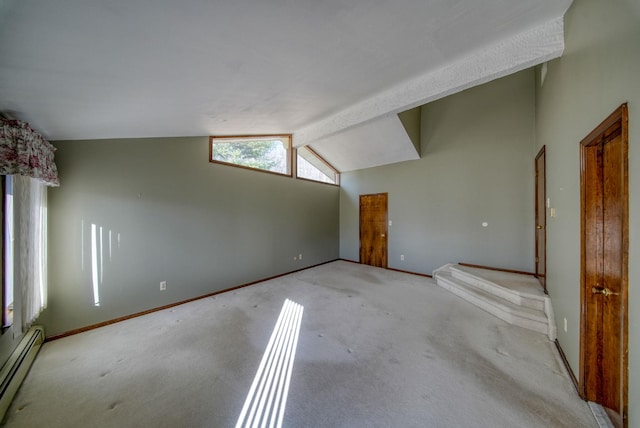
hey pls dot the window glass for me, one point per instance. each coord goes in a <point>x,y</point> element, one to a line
<point>311,166</point>
<point>7,298</point>
<point>271,153</point>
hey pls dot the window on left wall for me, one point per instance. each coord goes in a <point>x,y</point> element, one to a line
<point>7,251</point>
<point>24,248</point>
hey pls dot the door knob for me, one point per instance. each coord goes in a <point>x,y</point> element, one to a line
<point>539,226</point>
<point>603,290</point>
<point>382,236</point>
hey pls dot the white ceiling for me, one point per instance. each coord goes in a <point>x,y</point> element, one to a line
<point>334,72</point>
<point>367,145</point>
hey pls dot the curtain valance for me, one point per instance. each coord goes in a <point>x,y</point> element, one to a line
<point>25,152</point>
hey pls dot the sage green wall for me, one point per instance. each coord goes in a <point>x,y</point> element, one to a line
<point>199,226</point>
<point>599,70</point>
<point>476,166</point>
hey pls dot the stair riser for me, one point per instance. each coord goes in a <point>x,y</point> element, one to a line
<point>499,291</point>
<point>548,310</point>
<point>521,315</point>
<point>511,318</point>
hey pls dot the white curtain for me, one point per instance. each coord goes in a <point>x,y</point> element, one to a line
<point>30,261</point>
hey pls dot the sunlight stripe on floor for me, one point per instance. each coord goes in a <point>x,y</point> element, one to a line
<point>267,398</point>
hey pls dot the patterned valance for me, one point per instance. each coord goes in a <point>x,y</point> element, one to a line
<point>25,152</point>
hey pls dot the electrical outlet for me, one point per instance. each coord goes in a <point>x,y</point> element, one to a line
<point>565,325</point>
<point>163,285</point>
<point>402,257</point>
<point>300,256</point>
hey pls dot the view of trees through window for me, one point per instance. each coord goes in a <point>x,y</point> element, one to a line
<point>271,153</point>
<point>267,153</point>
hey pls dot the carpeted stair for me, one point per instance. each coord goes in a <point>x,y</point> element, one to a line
<point>514,298</point>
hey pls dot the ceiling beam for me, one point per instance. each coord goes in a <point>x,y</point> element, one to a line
<point>526,49</point>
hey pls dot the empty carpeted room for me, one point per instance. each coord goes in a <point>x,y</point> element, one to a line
<point>410,213</point>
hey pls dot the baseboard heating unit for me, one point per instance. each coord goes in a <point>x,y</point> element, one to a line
<point>17,366</point>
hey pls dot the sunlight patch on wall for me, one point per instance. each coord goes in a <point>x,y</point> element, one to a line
<point>267,398</point>
<point>82,245</point>
<point>94,265</point>
<point>101,247</point>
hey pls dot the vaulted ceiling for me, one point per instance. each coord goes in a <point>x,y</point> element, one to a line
<point>335,73</point>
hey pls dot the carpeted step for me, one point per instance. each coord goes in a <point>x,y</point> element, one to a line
<point>518,297</point>
<point>529,318</point>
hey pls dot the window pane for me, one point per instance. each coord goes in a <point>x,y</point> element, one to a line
<point>267,153</point>
<point>313,167</point>
<point>8,253</point>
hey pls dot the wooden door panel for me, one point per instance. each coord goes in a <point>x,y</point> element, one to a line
<point>593,264</point>
<point>612,272</point>
<point>373,229</point>
<point>604,294</point>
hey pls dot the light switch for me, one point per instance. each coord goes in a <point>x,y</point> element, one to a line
<point>552,212</point>
<point>390,223</point>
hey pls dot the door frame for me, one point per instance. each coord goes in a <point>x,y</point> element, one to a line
<point>543,281</point>
<point>386,228</point>
<point>618,119</point>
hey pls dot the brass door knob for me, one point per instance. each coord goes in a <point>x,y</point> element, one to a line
<point>603,290</point>
<point>539,226</point>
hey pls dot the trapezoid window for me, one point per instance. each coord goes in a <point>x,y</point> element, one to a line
<point>311,166</point>
<point>268,153</point>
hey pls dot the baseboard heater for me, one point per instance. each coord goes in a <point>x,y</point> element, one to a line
<point>17,366</point>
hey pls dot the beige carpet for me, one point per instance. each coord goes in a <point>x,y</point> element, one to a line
<point>376,348</point>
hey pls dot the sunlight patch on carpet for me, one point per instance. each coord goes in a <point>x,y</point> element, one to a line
<point>267,398</point>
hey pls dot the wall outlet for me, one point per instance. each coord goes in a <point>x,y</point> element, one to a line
<point>300,256</point>
<point>402,257</point>
<point>163,285</point>
<point>565,325</point>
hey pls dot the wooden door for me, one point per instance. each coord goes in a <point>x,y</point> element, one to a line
<point>541,219</point>
<point>604,204</point>
<point>373,230</point>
